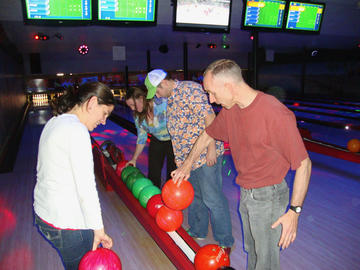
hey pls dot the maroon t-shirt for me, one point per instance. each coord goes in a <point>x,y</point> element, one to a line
<point>264,140</point>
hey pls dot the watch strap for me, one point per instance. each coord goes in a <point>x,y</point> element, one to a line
<point>296,209</point>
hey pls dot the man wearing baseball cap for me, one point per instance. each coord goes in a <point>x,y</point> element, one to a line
<point>153,79</point>
<point>188,113</point>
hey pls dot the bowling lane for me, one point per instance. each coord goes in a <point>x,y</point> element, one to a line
<point>326,101</point>
<point>23,248</point>
<point>334,130</point>
<point>334,106</point>
<point>330,112</point>
<point>330,135</point>
<point>319,119</point>
<point>328,119</point>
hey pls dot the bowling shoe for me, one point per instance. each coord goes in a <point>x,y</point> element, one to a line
<point>194,236</point>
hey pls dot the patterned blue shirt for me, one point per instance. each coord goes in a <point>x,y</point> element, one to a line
<point>187,108</point>
<point>158,127</point>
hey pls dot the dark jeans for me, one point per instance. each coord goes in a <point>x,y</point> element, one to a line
<point>71,244</point>
<point>158,150</point>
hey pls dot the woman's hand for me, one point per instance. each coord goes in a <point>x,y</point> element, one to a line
<point>131,163</point>
<point>100,237</point>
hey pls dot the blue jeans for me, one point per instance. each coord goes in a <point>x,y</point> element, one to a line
<point>259,209</point>
<point>210,199</point>
<point>71,244</point>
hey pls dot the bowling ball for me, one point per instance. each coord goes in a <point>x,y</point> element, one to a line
<point>211,257</point>
<point>353,145</point>
<point>147,193</point>
<point>115,153</point>
<point>169,219</point>
<point>126,171</point>
<point>100,259</point>
<point>154,204</point>
<point>132,178</point>
<point>177,197</point>
<point>139,185</point>
<point>120,166</point>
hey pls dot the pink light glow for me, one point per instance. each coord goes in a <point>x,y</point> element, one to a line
<point>112,132</point>
<point>95,134</point>
<point>7,220</point>
<point>124,133</point>
<point>19,258</point>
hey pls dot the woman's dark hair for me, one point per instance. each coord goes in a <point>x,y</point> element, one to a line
<point>78,96</point>
<point>139,92</point>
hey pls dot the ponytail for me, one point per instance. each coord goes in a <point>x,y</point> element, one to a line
<point>78,96</point>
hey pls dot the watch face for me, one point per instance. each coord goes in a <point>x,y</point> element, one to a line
<point>296,209</point>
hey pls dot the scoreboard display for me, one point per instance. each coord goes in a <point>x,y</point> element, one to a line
<point>58,9</point>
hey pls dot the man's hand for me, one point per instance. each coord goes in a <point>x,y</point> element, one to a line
<point>100,237</point>
<point>211,156</point>
<point>289,222</point>
<point>181,173</point>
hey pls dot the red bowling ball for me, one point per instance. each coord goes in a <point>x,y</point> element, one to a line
<point>120,166</point>
<point>177,197</point>
<point>154,204</point>
<point>211,257</point>
<point>168,219</point>
<point>100,259</point>
<point>115,153</point>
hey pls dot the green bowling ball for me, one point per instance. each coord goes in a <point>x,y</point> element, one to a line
<point>139,185</point>
<point>127,171</point>
<point>132,178</point>
<point>136,174</point>
<point>147,193</point>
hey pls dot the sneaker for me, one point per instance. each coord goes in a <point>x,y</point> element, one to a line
<point>227,250</point>
<point>194,236</point>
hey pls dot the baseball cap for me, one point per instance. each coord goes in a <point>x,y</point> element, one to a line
<point>153,79</point>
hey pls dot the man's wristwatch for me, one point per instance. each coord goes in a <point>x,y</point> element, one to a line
<point>296,209</point>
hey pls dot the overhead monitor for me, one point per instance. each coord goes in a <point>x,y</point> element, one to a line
<point>304,16</point>
<point>131,12</point>
<point>202,16</point>
<point>263,15</point>
<point>57,12</point>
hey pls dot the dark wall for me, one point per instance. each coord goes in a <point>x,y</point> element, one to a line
<point>12,94</point>
<point>100,62</point>
<point>335,74</point>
